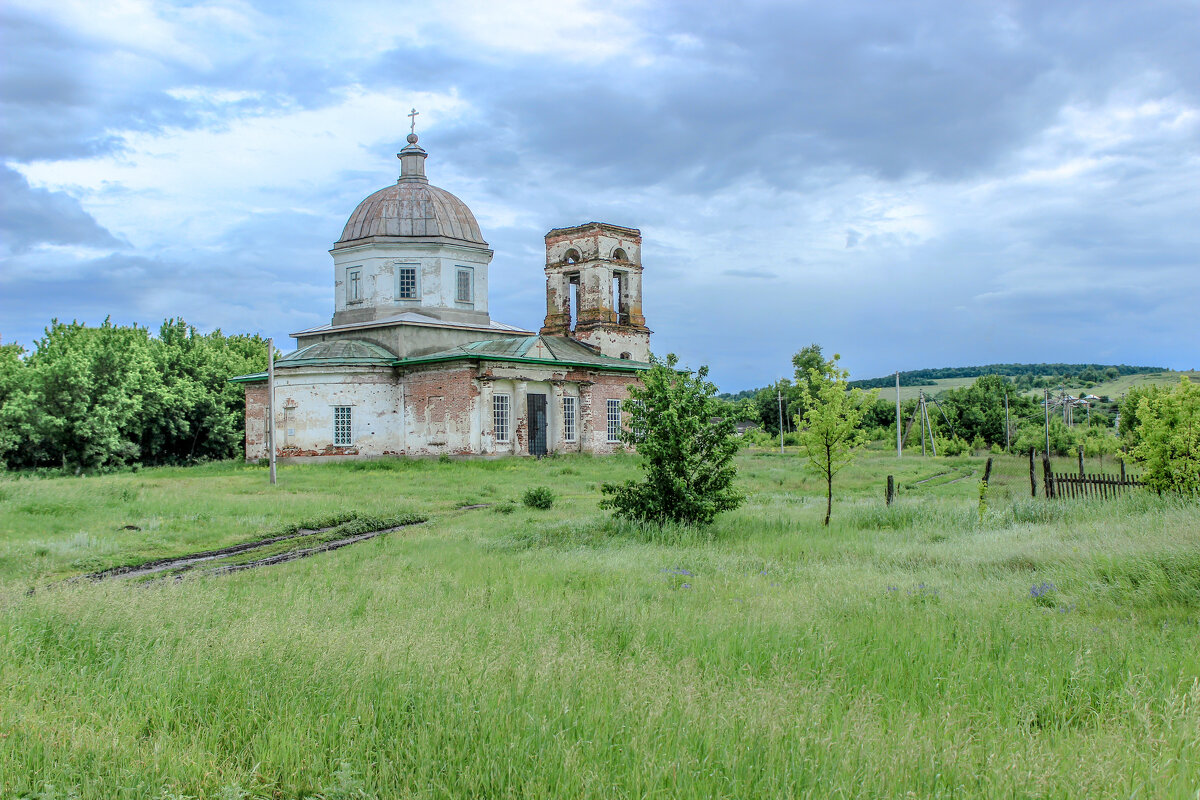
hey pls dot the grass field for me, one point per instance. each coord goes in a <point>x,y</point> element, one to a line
<point>1043,650</point>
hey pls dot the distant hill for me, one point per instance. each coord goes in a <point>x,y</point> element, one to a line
<point>1056,372</point>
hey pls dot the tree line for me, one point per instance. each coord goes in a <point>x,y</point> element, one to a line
<point>94,398</point>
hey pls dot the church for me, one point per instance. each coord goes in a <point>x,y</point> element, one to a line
<point>412,362</point>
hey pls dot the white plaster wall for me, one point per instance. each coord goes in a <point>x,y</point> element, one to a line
<point>304,403</point>
<point>437,263</point>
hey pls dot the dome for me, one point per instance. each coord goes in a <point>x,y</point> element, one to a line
<point>412,208</point>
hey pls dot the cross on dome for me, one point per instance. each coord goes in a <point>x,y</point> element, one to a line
<point>412,115</point>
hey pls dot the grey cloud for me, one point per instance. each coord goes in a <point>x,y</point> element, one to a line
<point>29,217</point>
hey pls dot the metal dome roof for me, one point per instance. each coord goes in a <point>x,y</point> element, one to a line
<point>412,208</point>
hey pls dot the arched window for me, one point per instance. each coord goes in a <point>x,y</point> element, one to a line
<point>572,256</point>
<point>619,255</point>
<point>626,356</point>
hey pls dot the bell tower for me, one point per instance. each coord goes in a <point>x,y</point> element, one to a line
<point>594,288</point>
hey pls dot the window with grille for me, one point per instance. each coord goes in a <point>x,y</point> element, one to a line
<point>569,405</point>
<point>639,422</point>
<point>501,416</point>
<point>463,289</point>
<point>354,285</point>
<point>406,288</point>
<point>343,426</point>
<point>614,420</point>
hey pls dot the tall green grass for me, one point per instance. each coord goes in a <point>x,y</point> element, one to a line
<point>1047,651</point>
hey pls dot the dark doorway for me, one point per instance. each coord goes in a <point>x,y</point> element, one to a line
<point>536,406</point>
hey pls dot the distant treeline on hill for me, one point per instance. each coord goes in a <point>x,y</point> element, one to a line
<point>926,377</point>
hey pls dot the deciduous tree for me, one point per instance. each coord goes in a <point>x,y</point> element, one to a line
<point>832,433</point>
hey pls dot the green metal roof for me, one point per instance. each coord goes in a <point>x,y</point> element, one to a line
<point>551,350</point>
<point>338,353</point>
<point>558,351</point>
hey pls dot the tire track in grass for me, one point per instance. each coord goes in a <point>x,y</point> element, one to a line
<point>293,555</point>
<point>355,529</point>
<point>186,561</point>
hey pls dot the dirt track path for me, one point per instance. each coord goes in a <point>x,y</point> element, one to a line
<point>165,564</point>
<point>292,555</point>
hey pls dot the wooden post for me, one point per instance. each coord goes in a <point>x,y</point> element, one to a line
<point>898,445</point>
<point>1081,461</point>
<point>891,489</point>
<point>987,470</point>
<point>271,407</point>
<point>1048,477</point>
<point>1032,476</point>
<point>1122,470</point>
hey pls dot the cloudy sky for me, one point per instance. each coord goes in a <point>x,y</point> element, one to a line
<point>908,184</point>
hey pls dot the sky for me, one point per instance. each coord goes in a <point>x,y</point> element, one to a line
<point>910,185</point>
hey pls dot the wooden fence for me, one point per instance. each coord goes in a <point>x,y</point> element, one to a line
<point>1100,487</point>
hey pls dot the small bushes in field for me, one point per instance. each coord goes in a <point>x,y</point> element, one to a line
<point>507,507</point>
<point>538,497</point>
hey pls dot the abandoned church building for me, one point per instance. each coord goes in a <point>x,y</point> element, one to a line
<point>413,364</point>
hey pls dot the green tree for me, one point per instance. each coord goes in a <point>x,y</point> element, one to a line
<point>92,384</point>
<point>1129,411</point>
<point>19,409</point>
<point>808,359</point>
<point>831,433</point>
<point>1063,440</point>
<point>1169,439</point>
<point>686,450</point>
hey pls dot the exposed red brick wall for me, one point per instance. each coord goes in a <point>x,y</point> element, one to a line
<point>446,397</point>
<point>256,421</point>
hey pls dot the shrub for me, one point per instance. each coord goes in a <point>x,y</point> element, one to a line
<point>538,497</point>
<point>955,447</point>
<point>686,450</point>
<point>1169,439</point>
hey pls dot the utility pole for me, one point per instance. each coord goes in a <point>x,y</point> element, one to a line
<point>1006,426</point>
<point>1046,406</point>
<point>779,396</point>
<point>271,407</point>
<point>921,408</point>
<point>898,447</point>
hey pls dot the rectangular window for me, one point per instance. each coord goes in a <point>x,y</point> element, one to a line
<point>406,283</point>
<point>463,288</point>
<point>353,285</point>
<point>614,420</point>
<point>569,404</point>
<point>343,426</point>
<point>501,414</point>
<point>639,422</point>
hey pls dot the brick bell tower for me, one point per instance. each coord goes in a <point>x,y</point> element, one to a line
<point>594,289</point>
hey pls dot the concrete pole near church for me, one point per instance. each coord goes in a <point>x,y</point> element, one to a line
<point>898,415</point>
<point>271,407</point>
<point>779,397</point>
